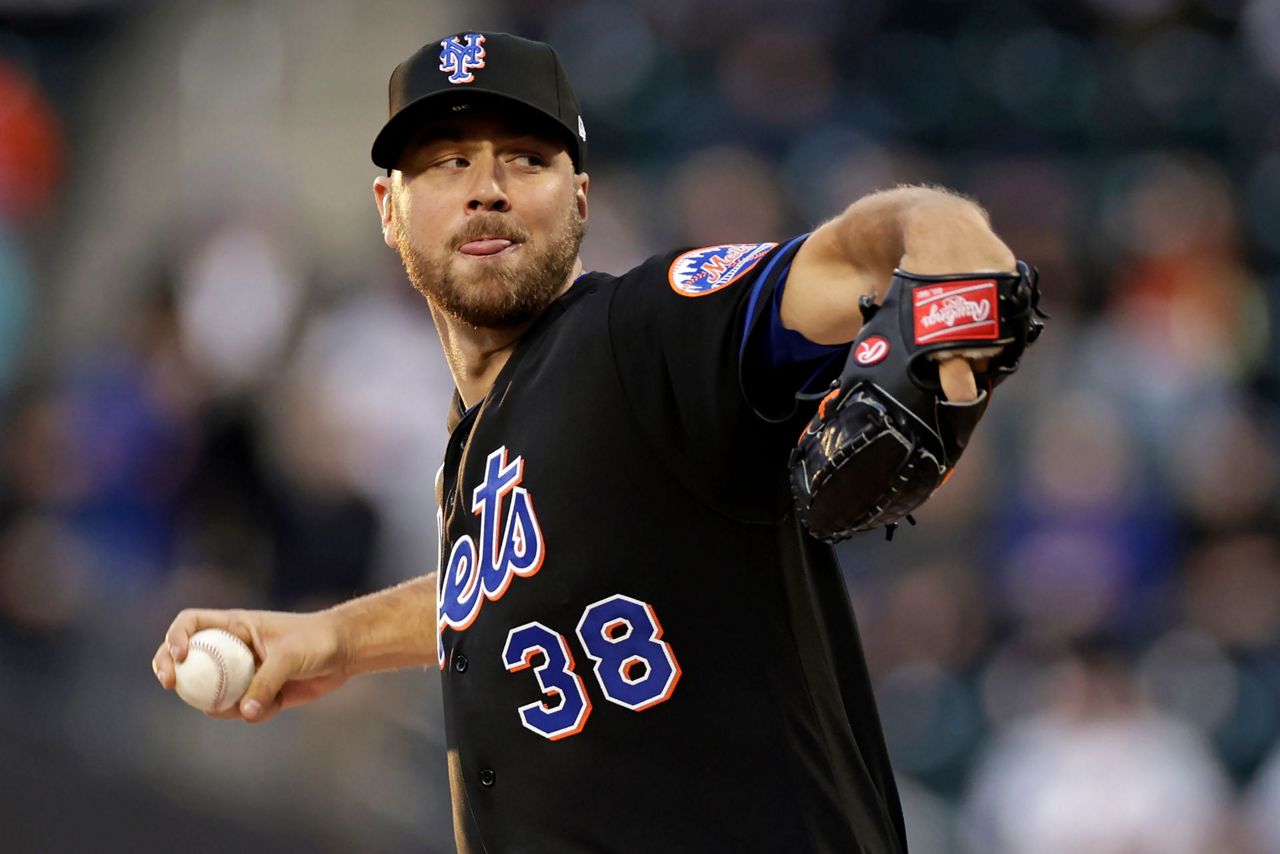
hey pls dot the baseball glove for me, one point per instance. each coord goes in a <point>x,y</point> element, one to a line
<point>884,438</point>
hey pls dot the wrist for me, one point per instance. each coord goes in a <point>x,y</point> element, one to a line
<point>345,638</point>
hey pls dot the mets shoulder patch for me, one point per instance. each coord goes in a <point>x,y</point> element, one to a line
<point>699,272</point>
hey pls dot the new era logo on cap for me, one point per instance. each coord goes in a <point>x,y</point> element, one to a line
<point>458,58</point>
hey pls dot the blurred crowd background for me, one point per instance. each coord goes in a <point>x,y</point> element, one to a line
<point>216,388</point>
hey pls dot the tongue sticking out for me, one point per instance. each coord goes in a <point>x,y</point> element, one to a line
<point>488,246</point>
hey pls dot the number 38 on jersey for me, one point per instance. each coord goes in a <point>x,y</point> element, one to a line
<point>633,665</point>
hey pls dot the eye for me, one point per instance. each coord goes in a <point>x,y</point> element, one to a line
<point>530,160</point>
<point>450,163</point>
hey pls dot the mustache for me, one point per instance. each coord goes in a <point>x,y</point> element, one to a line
<point>490,226</point>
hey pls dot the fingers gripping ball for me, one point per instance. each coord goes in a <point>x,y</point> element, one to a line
<point>216,672</point>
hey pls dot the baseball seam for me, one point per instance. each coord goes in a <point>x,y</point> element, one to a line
<point>213,653</point>
<point>238,642</point>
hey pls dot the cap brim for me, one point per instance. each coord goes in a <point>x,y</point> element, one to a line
<point>400,128</point>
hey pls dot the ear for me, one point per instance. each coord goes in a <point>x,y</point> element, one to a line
<point>582,182</point>
<point>382,189</point>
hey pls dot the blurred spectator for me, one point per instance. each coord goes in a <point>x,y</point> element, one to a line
<point>17,303</point>
<point>1233,591</point>
<point>237,300</point>
<point>106,451</point>
<point>325,530</point>
<point>1098,770</point>
<point>1263,805</point>
<point>31,147</point>
<point>1087,546</point>
<point>1227,469</point>
<point>725,195</point>
<point>368,365</point>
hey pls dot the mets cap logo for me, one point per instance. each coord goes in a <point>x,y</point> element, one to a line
<point>458,58</point>
<point>702,271</point>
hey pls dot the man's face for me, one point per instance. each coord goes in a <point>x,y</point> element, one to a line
<point>487,216</point>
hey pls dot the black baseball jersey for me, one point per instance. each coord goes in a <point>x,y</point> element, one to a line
<point>640,650</point>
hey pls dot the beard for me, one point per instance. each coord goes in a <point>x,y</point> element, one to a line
<point>502,294</point>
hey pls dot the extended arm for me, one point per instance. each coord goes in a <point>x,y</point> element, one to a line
<point>881,440</point>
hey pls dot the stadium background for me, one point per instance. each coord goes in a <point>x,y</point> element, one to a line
<point>216,388</point>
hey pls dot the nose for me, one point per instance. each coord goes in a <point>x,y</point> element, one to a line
<point>488,190</point>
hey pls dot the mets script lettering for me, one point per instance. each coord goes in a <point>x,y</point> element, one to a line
<point>510,545</point>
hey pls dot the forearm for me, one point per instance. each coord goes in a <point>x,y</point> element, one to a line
<point>919,229</point>
<point>913,226</point>
<point>390,629</point>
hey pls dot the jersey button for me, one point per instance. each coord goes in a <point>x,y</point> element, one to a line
<point>487,777</point>
<point>460,663</point>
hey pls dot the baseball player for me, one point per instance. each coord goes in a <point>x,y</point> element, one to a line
<point>641,649</point>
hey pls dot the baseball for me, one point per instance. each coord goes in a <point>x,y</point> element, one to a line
<point>216,672</point>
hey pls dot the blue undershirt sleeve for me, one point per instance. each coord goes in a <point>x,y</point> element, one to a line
<point>778,363</point>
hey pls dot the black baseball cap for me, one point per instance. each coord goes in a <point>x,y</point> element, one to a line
<point>472,68</point>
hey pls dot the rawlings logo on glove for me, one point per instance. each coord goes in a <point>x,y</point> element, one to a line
<point>884,438</point>
<point>954,312</point>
